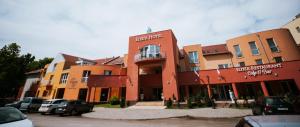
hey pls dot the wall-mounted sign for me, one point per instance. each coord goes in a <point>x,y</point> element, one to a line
<point>148,37</point>
<point>259,69</point>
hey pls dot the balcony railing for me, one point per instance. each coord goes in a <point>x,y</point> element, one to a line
<point>149,57</point>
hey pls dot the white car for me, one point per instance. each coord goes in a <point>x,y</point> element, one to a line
<point>49,106</point>
<point>12,117</point>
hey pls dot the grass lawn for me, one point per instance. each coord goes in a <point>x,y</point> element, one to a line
<point>107,106</point>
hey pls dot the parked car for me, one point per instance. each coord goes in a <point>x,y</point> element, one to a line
<point>4,101</point>
<point>73,107</point>
<point>31,104</point>
<point>49,106</point>
<point>12,117</point>
<point>16,104</point>
<point>271,105</point>
<point>296,105</point>
<point>270,121</point>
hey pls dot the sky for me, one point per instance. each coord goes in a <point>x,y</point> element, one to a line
<point>101,28</point>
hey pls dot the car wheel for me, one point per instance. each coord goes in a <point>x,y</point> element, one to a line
<point>42,113</point>
<point>74,112</point>
<point>53,111</point>
<point>61,114</point>
<point>254,113</point>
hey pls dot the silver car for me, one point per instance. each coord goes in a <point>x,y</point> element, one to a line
<point>270,121</point>
<point>49,106</point>
<point>12,117</point>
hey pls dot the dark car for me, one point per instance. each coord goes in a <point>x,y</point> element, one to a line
<point>271,105</point>
<point>73,107</point>
<point>31,104</point>
<point>16,104</point>
<point>270,121</point>
<point>4,101</point>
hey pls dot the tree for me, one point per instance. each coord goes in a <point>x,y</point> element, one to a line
<point>39,64</point>
<point>12,69</point>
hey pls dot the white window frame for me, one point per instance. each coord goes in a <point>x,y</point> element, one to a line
<point>85,76</point>
<point>274,44</point>
<point>64,78</point>
<point>256,48</point>
<point>238,53</point>
<point>193,58</point>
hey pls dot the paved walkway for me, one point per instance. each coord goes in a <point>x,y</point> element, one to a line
<point>144,114</point>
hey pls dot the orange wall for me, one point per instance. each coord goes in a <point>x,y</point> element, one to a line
<point>287,47</point>
<point>75,75</point>
<point>191,48</point>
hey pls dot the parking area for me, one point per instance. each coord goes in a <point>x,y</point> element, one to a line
<point>78,121</point>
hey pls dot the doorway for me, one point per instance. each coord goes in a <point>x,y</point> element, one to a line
<point>82,94</point>
<point>156,94</point>
<point>221,92</point>
<point>104,94</point>
<point>60,93</point>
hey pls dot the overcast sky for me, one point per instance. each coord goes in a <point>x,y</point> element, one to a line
<point>99,29</point>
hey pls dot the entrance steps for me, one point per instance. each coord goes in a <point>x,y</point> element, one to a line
<point>148,105</point>
<point>223,104</point>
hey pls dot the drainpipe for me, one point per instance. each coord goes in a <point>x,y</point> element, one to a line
<point>263,47</point>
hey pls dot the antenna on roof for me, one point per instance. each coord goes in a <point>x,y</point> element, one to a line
<point>149,30</point>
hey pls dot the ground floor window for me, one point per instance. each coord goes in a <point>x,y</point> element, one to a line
<point>82,94</point>
<point>249,90</point>
<point>281,87</point>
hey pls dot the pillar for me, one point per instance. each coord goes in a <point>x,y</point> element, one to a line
<point>264,88</point>
<point>209,91</point>
<point>297,81</point>
<point>235,91</point>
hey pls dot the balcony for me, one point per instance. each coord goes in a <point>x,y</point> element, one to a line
<point>139,58</point>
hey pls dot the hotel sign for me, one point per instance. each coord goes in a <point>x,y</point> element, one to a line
<point>148,37</point>
<point>259,69</point>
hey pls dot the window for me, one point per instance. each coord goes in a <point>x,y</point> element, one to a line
<point>45,93</point>
<point>193,57</point>
<point>195,68</point>
<point>253,48</point>
<point>242,64</point>
<point>54,67</point>
<point>298,29</point>
<point>238,51</point>
<point>278,59</point>
<point>259,61</point>
<point>50,80</point>
<point>272,45</point>
<point>150,51</point>
<point>85,75</point>
<point>107,72</point>
<point>64,78</point>
<point>223,66</point>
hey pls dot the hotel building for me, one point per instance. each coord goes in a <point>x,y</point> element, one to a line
<point>265,63</point>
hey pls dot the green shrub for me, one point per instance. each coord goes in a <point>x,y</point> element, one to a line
<point>122,103</point>
<point>114,100</point>
<point>189,103</point>
<point>169,103</point>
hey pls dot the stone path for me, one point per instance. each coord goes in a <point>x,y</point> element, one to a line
<point>144,114</point>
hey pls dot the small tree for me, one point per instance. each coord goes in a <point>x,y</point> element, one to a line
<point>169,103</point>
<point>114,100</point>
<point>123,102</point>
<point>189,103</point>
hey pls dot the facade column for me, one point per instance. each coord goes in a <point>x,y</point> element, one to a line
<point>209,91</point>
<point>89,96</point>
<point>264,88</point>
<point>297,81</point>
<point>235,91</point>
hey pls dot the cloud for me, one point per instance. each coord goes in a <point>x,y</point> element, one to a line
<point>97,29</point>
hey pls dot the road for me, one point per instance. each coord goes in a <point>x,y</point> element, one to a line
<point>78,121</point>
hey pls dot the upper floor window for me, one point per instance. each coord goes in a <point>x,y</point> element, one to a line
<point>278,59</point>
<point>253,48</point>
<point>242,64</point>
<point>107,72</point>
<point>238,51</point>
<point>85,75</point>
<point>150,51</point>
<point>298,29</point>
<point>193,57</point>
<point>54,67</point>
<point>259,61</point>
<point>51,78</point>
<point>64,78</point>
<point>223,66</point>
<point>272,45</point>
<point>195,68</point>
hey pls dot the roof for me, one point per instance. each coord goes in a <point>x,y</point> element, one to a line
<point>110,61</point>
<point>71,58</point>
<point>34,72</point>
<point>215,49</point>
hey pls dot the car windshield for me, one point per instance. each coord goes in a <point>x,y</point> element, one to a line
<point>275,101</point>
<point>10,115</point>
<point>64,102</point>
<point>26,100</point>
<point>47,102</point>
